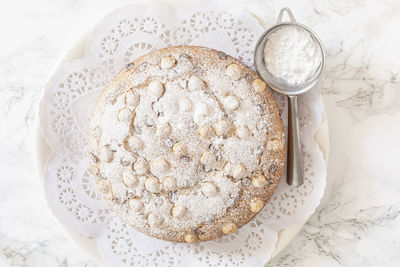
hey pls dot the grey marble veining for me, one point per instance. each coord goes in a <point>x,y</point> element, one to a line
<point>358,221</point>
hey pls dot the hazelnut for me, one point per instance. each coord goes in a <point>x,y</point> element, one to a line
<point>154,220</point>
<point>202,109</point>
<point>234,71</point>
<point>125,115</point>
<point>185,104</point>
<point>231,102</point>
<point>156,88</point>
<point>104,186</point>
<point>205,131</point>
<point>223,128</point>
<point>259,181</point>
<point>179,149</point>
<point>152,184</point>
<point>208,158</point>
<point>256,204</point>
<point>167,62</point>
<point>141,166</point>
<point>195,83</point>
<point>243,132</point>
<point>160,165</point>
<point>274,145</point>
<point>163,130</point>
<point>132,98</point>
<point>209,189</point>
<point>258,85</point>
<point>106,154</point>
<point>178,211</point>
<point>190,238</point>
<point>129,179</point>
<point>169,183</point>
<point>238,171</point>
<point>135,204</point>
<point>135,143</point>
<point>229,228</point>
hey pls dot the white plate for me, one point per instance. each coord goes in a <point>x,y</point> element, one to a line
<point>89,246</point>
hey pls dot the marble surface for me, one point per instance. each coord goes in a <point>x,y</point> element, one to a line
<point>358,222</point>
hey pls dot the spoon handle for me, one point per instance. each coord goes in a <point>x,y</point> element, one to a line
<point>294,164</point>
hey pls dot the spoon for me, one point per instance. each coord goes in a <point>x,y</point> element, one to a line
<point>295,175</point>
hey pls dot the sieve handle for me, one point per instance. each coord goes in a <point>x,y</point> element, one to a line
<point>289,12</point>
<point>294,164</point>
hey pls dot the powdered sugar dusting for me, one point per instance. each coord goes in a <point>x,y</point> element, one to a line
<point>292,54</point>
<point>163,119</point>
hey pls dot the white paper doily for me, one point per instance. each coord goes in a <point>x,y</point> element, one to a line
<point>66,107</point>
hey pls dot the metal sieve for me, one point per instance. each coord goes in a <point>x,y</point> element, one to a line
<point>295,175</point>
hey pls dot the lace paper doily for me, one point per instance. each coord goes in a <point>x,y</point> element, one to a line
<point>69,99</point>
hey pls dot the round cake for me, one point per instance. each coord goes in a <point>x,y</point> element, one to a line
<point>186,144</point>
